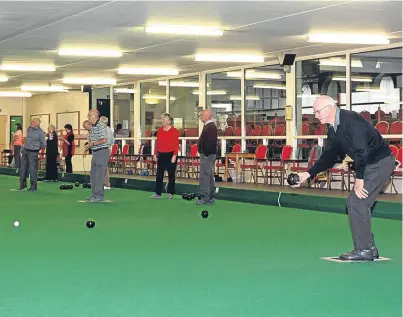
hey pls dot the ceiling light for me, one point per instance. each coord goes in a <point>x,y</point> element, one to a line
<point>15,94</point>
<point>28,67</point>
<point>247,98</point>
<point>367,89</point>
<point>360,79</point>
<point>341,62</point>
<point>89,81</point>
<point>124,90</point>
<point>229,58</point>
<point>89,52</point>
<point>212,92</point>
<point>148,71</point>
<point>3,78</point>
<point>193,84</point>
<point>348,38</point>
<point>183,29</point>
<point>268,86</point>
<point>151,96</point>
<point>44,88</point>
<point>226,106</point>
<point>252,74</point>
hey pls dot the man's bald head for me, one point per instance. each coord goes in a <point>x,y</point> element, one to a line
<point>206,115</point>
<point>324,109</point>
<point>93,115</point>
<point>35,122</point>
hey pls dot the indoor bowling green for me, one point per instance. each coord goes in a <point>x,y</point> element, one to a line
<point>161,258</point>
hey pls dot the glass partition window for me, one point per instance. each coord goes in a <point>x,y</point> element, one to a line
<point>152,106</point>
<point>184,100</point>
<point>325,76</point>
<point>123,115</point>
<point>376,88</point>
<point>223,96</point>
<point>123,111</point>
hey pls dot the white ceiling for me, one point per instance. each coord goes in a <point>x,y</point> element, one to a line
<point>33,31</point>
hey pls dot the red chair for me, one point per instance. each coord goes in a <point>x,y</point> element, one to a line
<point>278,131</point>
<point>267,130</point>
<point>257,165</point>
<point>366,115</point>
<point>279,170</point>
<point>235,149</point>
<point>382,127</point>
<point>394,150</point>
<point>305,143</point>
<point>398,169</point>
<point>396,128</point>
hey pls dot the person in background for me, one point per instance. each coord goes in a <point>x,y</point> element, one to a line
<point>68,147</point>
<point>98,143</point>
<point>17,144</point>
<point>207,147</point>
<point>165,153</point>
<point>52,152</point>
<point>29,154</point>
<point>87,126</point>
<point>352,135</point>
<point>111,141</point>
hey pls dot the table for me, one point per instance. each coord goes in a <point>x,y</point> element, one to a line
<point>158,257</point>
<point>236,156</point>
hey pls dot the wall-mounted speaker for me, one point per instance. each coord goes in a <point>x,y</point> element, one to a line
<point>286,59</point>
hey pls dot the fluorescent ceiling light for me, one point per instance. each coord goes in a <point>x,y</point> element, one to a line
<point>89,81</point>
<point>363,89</point>
<point>193,84</point>
<point>28,67</point>
<point>15,94</point>
<point>336,61</point>
<point>268,86</point>
<point>227,106</point>
<point>43,88</point>
<point>89,52</point>
<point>162,97</point>
<point>212,92</point>
<point>229,58</point>
<point>247,98</point>
<point>182,29</point>
<point>359,79</point>
<point>147,71</point>
<point>348,38</point>
<point>252,74</point>
<point>124,90</point>
<point>3,78</point>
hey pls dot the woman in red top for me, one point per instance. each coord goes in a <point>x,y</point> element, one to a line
<point>165,154</point>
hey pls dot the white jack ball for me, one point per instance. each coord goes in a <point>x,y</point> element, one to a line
<point>16,223</point>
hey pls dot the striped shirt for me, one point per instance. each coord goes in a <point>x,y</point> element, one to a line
<point>97,133</point>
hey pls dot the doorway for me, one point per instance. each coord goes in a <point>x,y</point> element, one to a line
<point>104,108</point>
<point>13,121</point>
<point>3,128</point>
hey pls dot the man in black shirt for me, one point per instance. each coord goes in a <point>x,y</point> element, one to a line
<point>207,147</point>
<point>349,133</point>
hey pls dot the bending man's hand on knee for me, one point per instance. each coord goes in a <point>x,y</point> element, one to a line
<point>359,189</point>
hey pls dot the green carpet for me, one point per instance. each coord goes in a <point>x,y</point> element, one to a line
<point>160,258</point>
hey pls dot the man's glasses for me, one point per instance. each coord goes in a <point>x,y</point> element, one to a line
<point>318,111</point>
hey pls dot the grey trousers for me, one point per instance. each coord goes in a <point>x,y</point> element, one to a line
<point>17,156</point>
<point>29,161</point>
<point>99,163</point>
<point>359,210</point>
<point>206,177</point>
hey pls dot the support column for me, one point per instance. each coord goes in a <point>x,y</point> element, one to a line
<point>291,124</point>
<point>348,82</point>
<point>202,97</point>
<point>136,117</point>
<point>243,141</point>
<point>112,107</point>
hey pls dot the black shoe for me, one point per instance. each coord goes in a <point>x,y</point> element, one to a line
<point>358,255</point>
<point>375,252</point>
<point>32,189</point>
<point>22,187</point>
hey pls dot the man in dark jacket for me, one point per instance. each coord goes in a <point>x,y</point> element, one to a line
<point>207,147</point>
<point>349,133</point>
